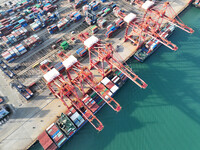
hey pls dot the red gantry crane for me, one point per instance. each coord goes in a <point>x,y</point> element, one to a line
<point>103,54</point>
<point>63,89</point>
<point>150,24</point>
<point>79,75</point>
<point>164,11</point>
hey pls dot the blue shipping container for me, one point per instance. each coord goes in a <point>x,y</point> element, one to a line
<point>79,50</point>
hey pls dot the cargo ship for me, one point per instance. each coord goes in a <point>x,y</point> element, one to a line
<point>72,120</point>
<point>152,45</point>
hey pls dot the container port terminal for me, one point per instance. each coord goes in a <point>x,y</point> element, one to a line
<point>64,60</point>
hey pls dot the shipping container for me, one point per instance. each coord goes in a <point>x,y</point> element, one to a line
<point>59,67</point>
<point>56,134</point>
<point>64,45</point>
<point>63,23</point>
<point>77,119</point>
<point>46,142</point>
<point>81,51</point>
<point>94,29</point>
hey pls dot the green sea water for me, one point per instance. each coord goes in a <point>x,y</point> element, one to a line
<point>166,115</point>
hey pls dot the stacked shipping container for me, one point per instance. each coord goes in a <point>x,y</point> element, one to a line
<point>101,22</point>
<point>52,29</point>
<point>5,27</point>
<point>82,51</point>
<point>77,119</point>
<point>56,134</point>
<point>110,85</point>
<point>93,101</point>
<point>14,52</point>
<point>31,42</point>
<point>49,8</point>
<point>46,141</point>
<point>90,103</point>
<point>75,16</point>
<point>35,26</point>
<point>15,36</point>
<point>63,23</point>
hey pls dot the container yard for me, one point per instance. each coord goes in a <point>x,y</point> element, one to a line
<point>62,61</point>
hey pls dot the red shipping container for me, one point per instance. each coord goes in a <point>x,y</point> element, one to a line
<point>109,85</point>
<point>46,141</point>
<point>58,137</point>
<point>52,129</point>
<point>94,107</point>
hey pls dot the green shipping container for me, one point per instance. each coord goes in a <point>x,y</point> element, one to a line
<point>100,101</point>
<point>107,10</point>
<point>64,45</point>
<point>93,95</point>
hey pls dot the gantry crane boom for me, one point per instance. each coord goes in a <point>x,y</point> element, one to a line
<point>161,12</point>
<point>104,54</point>
<point>150,24</point>
<point>61,88</point>
<point>97,89</point>
<point>84,74</point>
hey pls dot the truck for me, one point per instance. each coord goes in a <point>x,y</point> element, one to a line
<point>6,69</point>
<point>1,99</point>
<point>23,90</point>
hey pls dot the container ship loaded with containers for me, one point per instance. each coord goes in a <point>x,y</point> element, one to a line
<point>72,120</point>
<point>151,46</point>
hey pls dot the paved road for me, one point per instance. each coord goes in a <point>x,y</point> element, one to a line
<point>9,93</point>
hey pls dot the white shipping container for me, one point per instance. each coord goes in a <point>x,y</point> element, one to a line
<point>105,81</point>
<point>24,51</point>
<point>16,51</point>
<point>107,97</point>
<point>114,89</point>
<point>75,116</point>
<point>80,122</point>
<point>115,79</point>
<point>85,97</point>
<point>11,51</point>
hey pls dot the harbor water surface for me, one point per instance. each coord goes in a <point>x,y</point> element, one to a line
<point>166,115</point>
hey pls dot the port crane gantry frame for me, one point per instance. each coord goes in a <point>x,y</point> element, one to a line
<point>102,54</point>
<point>63,89</point>
<point>79,74</point>
<point>150,24</point>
